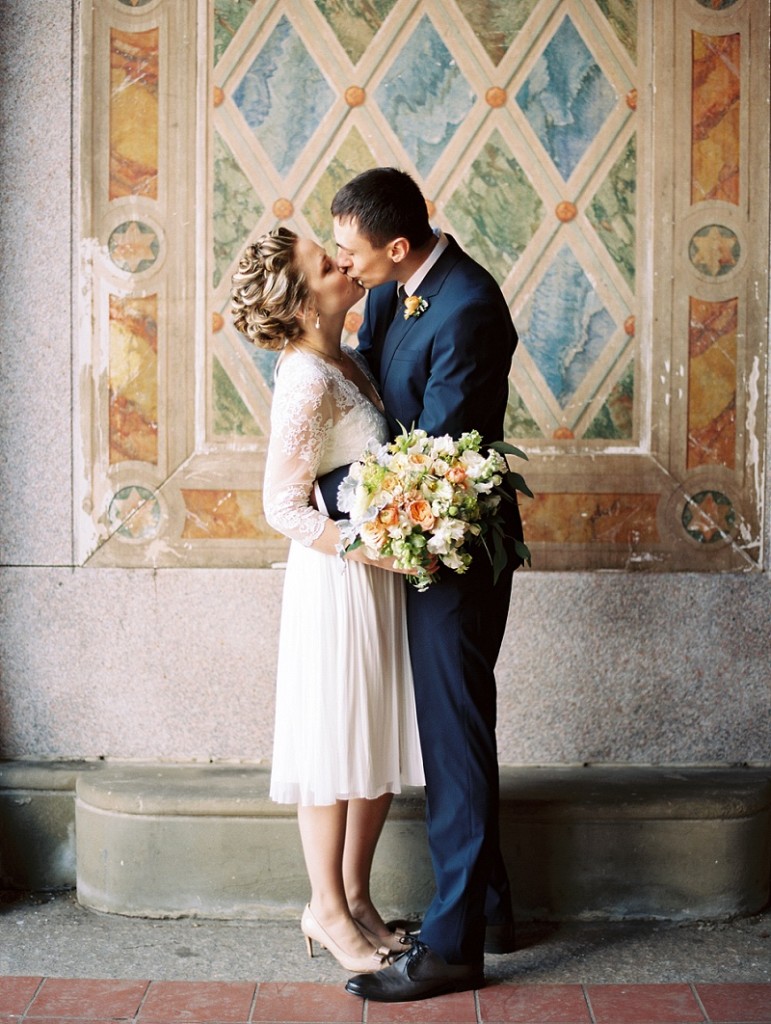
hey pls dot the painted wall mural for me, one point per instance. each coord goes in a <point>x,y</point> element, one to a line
<point>609,186</point>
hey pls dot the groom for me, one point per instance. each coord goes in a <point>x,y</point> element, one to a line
<point>442,361</point>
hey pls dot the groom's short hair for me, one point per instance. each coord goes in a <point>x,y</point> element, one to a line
<point>386,204</point>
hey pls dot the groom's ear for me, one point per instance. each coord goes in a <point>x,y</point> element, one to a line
<point>398,250</point>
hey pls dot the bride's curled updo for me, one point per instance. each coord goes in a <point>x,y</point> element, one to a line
<point>269,290</point>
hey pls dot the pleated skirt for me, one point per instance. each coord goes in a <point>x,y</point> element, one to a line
<point>345,709</point>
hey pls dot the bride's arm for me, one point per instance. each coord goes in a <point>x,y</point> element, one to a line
<point>302,415</point>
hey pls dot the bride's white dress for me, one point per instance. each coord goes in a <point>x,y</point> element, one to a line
<point>345,711</point>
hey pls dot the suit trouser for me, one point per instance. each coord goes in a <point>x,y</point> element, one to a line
<point>455,629</point>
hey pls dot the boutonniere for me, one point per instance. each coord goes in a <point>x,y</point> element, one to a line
<point>414,306</point>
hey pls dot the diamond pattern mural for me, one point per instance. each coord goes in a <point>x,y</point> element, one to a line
<point>531,128</point>
<point>428,107</point>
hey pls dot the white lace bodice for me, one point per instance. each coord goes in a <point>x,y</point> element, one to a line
<point>319,421</point>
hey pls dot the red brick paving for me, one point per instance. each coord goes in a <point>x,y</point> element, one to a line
<point>75,1001</point>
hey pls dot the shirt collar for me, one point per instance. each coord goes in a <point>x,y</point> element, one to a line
<point>411,286</point>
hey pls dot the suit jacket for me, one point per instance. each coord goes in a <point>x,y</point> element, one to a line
<point>445,371</point>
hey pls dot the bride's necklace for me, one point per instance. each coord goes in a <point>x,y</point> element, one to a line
<point>339,358</point>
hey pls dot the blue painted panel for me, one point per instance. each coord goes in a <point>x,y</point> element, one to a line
<point>283,96</point>
<point>424,96</point>
<point>567,326</point>
<point>566,98</point>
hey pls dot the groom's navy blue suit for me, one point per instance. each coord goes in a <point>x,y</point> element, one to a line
<point>446,371</point>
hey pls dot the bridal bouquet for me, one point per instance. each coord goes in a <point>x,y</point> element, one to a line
<point>425,500</point>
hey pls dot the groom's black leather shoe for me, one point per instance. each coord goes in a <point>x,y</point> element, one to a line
<point>417,974</point>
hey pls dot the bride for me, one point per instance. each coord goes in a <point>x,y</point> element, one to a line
<point>345,731</point>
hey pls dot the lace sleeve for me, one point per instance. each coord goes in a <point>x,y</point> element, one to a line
<point>302,416</point>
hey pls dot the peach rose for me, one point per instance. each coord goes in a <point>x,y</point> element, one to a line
<point>456,475</point>
<point>388,516</point>
<point>374,535</point>
<point>420,513</point>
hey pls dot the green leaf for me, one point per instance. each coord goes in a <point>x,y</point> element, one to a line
<point>523,551</point>
<point>517,481</point>
<point>499,557</point>
<point>504,448</point>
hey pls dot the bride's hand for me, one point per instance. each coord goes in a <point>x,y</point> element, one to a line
<point>389,564</point>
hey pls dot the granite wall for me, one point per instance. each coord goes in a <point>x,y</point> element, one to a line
<point>178,663</point>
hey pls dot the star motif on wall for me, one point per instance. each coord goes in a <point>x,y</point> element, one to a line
<point>714,251</point>
<point>131,248</point>
<point>709,520</point>
<point>137,511</point>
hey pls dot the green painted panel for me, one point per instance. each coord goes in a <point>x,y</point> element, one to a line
<point>613,212</point>
<point>230,413</point>
<point>622,15</point>
<point>496,210</point>
<point>351,158</point>
<point>354,23</point>
<point>519,422</point>
<point>236,209</point>
<point>496,23</point>
<point>228,17</point>
<point>615,421</point>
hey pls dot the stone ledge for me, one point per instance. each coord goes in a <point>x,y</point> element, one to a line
<point>597,792</point>
<point>607,792</point>
<point>193,790</point>
<point>603,842</point>
<point>37,823</point>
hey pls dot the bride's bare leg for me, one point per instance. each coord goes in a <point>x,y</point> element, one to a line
<point>323,834</point>
<point>365,823</point>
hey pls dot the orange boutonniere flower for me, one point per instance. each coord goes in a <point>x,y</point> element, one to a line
<point>414,306</point>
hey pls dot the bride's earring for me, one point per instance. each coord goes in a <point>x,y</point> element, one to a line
<point>318,321</point>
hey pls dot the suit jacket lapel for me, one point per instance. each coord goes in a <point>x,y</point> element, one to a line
<point>399,329</point>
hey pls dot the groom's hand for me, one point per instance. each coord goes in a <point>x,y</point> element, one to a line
<point>327,486</point>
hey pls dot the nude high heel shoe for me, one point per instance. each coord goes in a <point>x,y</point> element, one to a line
<point>367,964</point>
<point>395,943</point>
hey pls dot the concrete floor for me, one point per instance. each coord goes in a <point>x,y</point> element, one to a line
<point>55,937</point>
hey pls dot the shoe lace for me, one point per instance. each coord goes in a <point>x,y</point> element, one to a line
<point>416,952</point>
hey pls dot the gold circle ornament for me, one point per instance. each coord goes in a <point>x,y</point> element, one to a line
<point>355,95</point>
<point>283,208</point>
<point>353,322</point>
